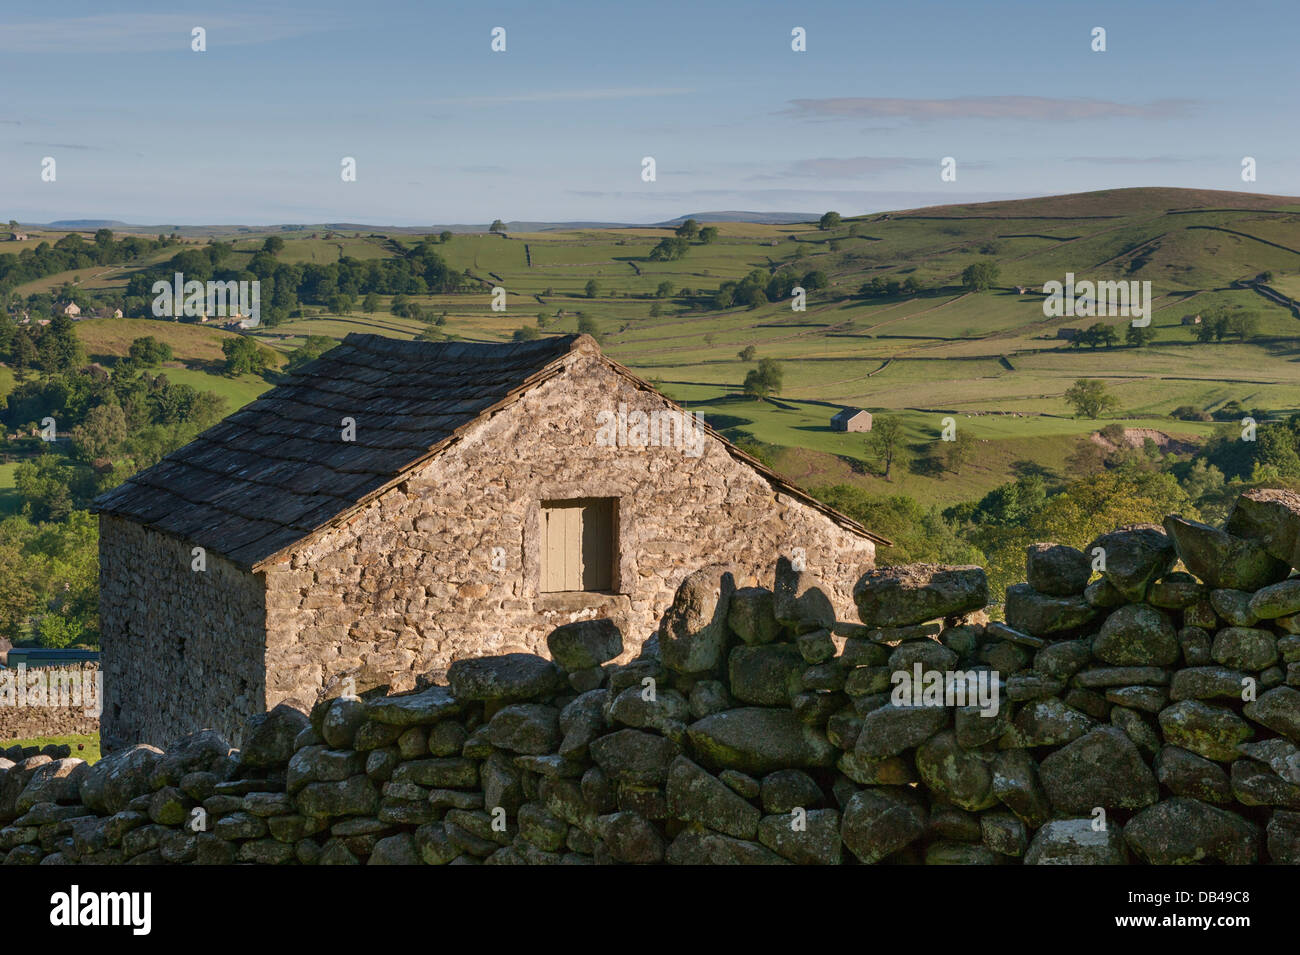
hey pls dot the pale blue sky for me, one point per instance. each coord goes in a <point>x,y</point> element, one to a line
<point>444,130</point>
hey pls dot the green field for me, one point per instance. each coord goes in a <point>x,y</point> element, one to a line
<point>990,359</point>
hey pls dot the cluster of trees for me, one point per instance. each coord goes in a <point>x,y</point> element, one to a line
<point>881,287</point>
<point>690,229</point>
<point>979,276</point>
<point>673,247</point>
<point>766,379</point>
<point>108,426</point>
<point>72,251</point>
<point>50,585</point>
<point>286,287</point>
<point>760,287</point>
<point>1273,455</point>
<point>1220,323</point>
<point>51,349</point>
<point>995,530</point>
<point>245,356</point>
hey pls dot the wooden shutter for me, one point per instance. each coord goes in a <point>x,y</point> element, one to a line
<point>577,546</point>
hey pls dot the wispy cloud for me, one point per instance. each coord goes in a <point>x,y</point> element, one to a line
<point>1129,160</point>
<point>562,96</point>
<point>789,198</point>
<point>113,34</point>
<point>848,167</point>
<point>76,146</point>
<point>1038,108</point>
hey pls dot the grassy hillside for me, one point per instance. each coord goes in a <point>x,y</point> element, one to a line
<point>991,359</point>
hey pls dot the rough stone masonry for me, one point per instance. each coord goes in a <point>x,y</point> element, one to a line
<point>272,558</point>
<point>1148,714</point>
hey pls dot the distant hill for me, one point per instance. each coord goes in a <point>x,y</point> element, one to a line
<point>763,218</point>
<point>87,224</point>
<point>515,225</point>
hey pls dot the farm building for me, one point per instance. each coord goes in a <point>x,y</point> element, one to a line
<point>1068,334</point>
<point>396,505</point>
<point>72,309</point>
<point>1191,319</point>
<point>851,419</point>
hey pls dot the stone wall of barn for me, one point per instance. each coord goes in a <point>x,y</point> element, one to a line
<point>183,649</point>
<point>446,564</point>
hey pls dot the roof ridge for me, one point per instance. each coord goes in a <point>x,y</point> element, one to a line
<point>397,347</point>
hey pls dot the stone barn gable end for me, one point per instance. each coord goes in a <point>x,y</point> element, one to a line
<point>394,506</point>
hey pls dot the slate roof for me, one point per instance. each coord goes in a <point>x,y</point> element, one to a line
<point>277,470</point>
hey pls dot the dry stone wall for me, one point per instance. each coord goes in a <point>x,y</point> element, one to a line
<point>1145,714</point>
<point>24,715</point>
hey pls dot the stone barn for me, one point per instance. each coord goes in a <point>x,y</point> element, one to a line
<point>395,505</point>
<point>851,419</point>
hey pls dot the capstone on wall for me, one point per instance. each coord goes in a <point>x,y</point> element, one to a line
<point>183,649</point>
<point>410,583</point>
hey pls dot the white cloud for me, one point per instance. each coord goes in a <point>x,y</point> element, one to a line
<point>1037,108</point>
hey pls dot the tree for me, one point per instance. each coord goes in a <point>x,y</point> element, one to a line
<point>370,304</point>
<point>669,249</point>
<point>980,276</point>
<point>1098,333</point>
<point>688,229</point>
<point>1140,336</point>
<point>665,289</point>
<point>309,351</point>
<point>813,281</point>
<point>747,353</point>
<point>525,333</point>
<point>1089,398</point>
<point>497,226</point>
<point>444,236</point>
<point>243,356</point>
<point>58,349</point>
<point>273,244</point>
<point>958,451</point>
<point>1244,325</point>
<point>887,443</point>
<point>709,234</point>
<point>100,434</point>
<point>830,220</point>
<point>592,288</point>
<point>149,352</point>
<point>49,488</point>
<point>587,326</point>
<point>919,534</point>
<point>764,380</point>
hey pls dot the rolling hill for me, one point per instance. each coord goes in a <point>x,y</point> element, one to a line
<point>990,359</point>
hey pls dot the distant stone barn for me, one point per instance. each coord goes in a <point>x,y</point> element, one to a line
<point>851,419</point>
<point>394,506</point>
